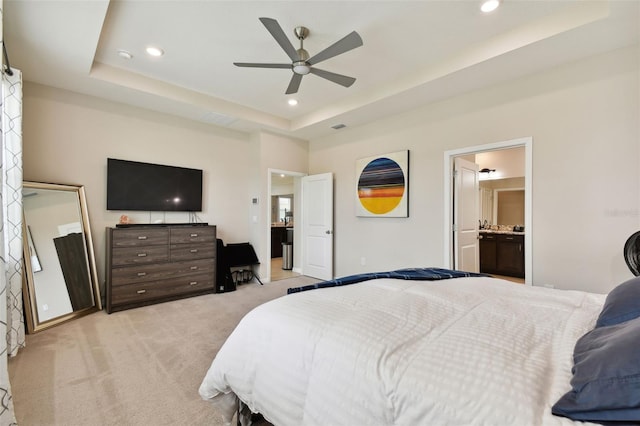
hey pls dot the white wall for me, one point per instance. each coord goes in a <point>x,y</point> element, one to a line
<point>68,138</point>
<point>584,120</point>
<point>275,153</point>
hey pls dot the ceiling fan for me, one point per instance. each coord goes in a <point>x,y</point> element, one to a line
<point>301,64</point>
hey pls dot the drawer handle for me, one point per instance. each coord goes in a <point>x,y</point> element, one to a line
<point>141,291</point>
<point>193,283</point>
<point>193,250</point>
<point>193,268</point>
<point>142,254</point>
<point>142,274</point>
<point>509,238</point>
<point>142,237</point>
<point>194,235</point>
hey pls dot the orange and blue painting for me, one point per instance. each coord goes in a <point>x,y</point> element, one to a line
<point>383,185</point>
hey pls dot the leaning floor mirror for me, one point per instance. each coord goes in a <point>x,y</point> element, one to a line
<point>60,274</point>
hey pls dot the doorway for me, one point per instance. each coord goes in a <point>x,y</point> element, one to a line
<point>449,195</point>
<point>283,207</point>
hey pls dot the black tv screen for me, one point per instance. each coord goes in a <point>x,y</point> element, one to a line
<point>132,185</point>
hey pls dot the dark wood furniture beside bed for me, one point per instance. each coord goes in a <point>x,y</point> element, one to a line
<point>502,254</point>
<point>153,264</point>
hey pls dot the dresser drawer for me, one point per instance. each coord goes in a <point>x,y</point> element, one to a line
<point>140,236</point>
<point>193,234</point>
<point>144,273</point>
<point>142,292</point>
<point>181,252</point>
<point>139,255</point>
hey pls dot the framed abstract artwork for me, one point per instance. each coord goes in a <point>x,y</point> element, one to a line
<point>383,185</point>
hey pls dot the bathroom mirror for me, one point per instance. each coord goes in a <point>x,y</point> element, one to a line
<point>281,208</point>
<point>502,201</point>
<point>60,281</point>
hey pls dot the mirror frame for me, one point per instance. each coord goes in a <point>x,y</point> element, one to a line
<point>28,287</point>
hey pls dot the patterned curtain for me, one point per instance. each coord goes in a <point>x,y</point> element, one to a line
<point>11,312</point>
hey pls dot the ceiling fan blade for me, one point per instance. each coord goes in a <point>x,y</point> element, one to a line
<point>254,65</point>
<point>276,31</point>
<point>294,84</point>
<point>345,44</point>
<point>342,80</point>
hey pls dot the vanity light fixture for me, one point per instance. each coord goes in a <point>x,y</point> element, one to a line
<point>292,102</point>
<point>154,51</point>
<point>489,5</point>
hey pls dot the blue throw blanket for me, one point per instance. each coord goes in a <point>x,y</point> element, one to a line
<point>420,274</point>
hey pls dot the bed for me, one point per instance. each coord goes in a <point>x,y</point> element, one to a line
<point>464,350</point>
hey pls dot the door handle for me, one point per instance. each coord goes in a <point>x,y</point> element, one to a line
<point>327,232</point>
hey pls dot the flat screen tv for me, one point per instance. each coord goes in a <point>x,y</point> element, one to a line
<point>132,185</point>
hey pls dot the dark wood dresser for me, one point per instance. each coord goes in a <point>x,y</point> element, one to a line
<point>153,264</point>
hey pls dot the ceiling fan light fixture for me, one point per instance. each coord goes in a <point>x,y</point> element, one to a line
<point>301,68</point>
<point>489,5</point>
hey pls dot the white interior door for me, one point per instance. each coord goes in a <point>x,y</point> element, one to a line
<point>317,226</point>
<point>466,212</point>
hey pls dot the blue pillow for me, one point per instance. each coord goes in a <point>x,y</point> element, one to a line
<point>622,304</point>
<point>606,376</point>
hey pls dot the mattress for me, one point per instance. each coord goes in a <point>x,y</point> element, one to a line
<point>393,352</point>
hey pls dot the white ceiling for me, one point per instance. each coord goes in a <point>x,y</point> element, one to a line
<point>414,52</point>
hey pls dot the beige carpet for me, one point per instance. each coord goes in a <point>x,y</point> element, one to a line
<point>137,367</point>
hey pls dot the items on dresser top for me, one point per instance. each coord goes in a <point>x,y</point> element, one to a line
<point>152,264</point>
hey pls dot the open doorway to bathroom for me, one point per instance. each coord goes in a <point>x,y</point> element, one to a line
<point>503,207</point>
<point>284,198</point>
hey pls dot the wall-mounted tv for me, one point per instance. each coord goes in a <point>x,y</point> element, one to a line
<point>132,185</point>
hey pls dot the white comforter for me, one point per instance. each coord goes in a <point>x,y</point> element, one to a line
<point>391,352</point>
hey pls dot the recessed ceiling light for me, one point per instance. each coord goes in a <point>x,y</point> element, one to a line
<point>489,5</point>
<point>124,54</point>
<point>292,102</point>
<point>154,51</point>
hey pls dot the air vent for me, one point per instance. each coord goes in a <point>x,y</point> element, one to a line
<point>215,118</point>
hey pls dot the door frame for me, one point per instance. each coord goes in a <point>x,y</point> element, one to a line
<point>296,199</point>
<point>527,143</point>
